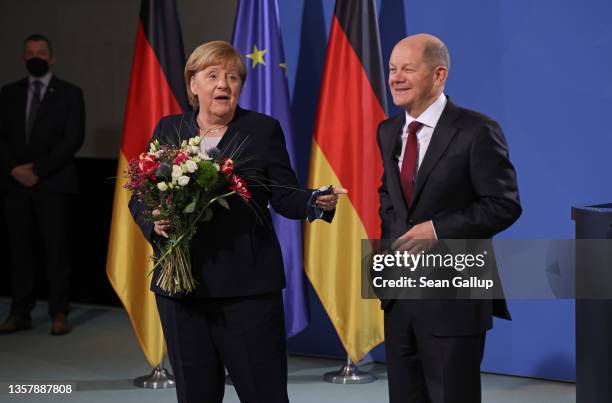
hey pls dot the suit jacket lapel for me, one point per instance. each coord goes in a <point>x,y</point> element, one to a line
<point>228,142</point>
<point>440,139</point>
<point>21,104</point>
<point>232,141</point>
<point>188,127</point>
<point>391,144</point>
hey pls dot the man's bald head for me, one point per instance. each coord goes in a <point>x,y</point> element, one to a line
<point>435,53</point>
<point>418,68</point>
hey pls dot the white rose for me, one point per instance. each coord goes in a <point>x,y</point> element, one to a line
<point>162,186</point>
<point>191,166</point>
<point>194,150</point>
<point>183,180</point>
<point>176,171</point>
<point>194,141</point>
<point>204,156</point>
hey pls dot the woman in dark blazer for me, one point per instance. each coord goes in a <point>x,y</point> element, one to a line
<point>234,319</point>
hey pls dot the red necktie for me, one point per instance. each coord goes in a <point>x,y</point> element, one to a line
<point>409,163</point>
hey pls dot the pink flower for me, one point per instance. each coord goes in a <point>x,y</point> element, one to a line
<point>239,185</point>
<point>227,166</point>
<point>181,157</point>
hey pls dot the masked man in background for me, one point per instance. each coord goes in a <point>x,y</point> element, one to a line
<point>42,126</point>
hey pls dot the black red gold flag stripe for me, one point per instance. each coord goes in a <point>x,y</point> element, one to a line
<point>156,89</point>
<point>344,152</point>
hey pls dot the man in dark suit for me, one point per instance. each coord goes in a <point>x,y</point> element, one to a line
<point>42,121</point>
<point>447,175</point>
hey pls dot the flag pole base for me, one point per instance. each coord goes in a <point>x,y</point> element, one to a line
<point>349,374</point>
<point>159,378</point>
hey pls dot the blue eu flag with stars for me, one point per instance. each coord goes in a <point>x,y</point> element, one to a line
<point>257,35</point>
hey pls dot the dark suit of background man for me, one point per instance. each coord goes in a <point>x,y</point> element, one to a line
<point>447,176</point>
<point>42,121</point>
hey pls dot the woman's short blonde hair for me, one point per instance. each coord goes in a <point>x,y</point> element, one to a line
<point>215,53</point>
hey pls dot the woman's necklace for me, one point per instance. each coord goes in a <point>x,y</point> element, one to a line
<point>204,132</point>
<point>211,130</point>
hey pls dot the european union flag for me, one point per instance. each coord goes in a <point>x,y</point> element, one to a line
<point>257,35</point>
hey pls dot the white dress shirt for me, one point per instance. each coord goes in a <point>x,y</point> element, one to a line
<point>208,142</point>
<point>45,80</point>
<point>429,118</point>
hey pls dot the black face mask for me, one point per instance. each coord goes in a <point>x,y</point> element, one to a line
<point>37,67</point>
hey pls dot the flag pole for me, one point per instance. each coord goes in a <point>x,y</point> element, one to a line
<point>349,374</point>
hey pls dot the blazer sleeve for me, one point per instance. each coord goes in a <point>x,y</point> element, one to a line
<point>64,150</point>
<point>7,160</point>
<point>493,178</point>
<point>386,207</point>
<point>287,197</point>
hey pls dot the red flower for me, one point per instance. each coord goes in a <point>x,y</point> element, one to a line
<point>227,166</point>
<point>148,164</point>
<point>239,185</point>
<point>180,158</point>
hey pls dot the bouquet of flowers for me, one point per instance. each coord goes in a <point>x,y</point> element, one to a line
<point>180,183</point>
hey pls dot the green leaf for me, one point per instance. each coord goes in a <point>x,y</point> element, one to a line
<point>190,208</point>
<point>223,203</point>
<point>207,215</point>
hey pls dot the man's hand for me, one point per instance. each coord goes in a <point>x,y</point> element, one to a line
<point>328,202</point>
<point>24,174</point>
<point>160,227</point>
<point>419,238</point>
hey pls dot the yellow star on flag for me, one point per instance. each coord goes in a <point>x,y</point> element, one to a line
<point>284,67</point>
<point>257,56</point>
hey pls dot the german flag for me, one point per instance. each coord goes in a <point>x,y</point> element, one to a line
<point>156,89</point>
<point>351,105</point>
